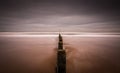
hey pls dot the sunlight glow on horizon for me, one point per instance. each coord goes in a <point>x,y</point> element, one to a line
<point>55,34</point>
<point>64,35</point>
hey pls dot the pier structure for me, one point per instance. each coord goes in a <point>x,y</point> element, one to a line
<point>61,57</point>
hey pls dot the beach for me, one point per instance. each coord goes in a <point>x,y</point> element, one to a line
<point>37,54</point>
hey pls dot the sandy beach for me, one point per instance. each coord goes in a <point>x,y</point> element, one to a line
<point>38,54</point>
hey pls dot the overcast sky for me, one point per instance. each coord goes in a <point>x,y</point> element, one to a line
<point>60,15</point>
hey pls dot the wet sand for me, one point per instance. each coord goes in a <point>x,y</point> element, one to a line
<point>38,54</point>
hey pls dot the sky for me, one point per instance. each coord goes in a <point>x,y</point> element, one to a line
<point>59,15</point>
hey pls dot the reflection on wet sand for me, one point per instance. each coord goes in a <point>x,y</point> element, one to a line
<point>38,54</point>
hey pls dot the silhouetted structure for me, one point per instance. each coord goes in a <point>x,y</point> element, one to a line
<point>61,57</point>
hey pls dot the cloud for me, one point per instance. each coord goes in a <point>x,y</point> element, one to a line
<point>52,15</point>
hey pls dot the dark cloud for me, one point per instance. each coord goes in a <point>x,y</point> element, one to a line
<point>51,15</point>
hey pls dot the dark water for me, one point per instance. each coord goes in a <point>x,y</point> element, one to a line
<point>38,54</point>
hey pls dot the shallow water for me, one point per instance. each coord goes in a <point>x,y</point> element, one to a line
<point>38,54</point>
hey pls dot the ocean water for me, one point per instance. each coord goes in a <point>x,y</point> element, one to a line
<point>37,53</point>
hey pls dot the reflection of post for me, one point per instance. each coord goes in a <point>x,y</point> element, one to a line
<point>61,57</point>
